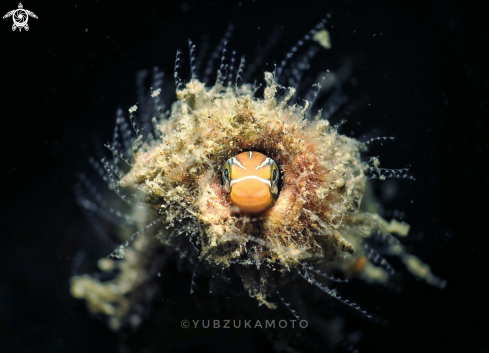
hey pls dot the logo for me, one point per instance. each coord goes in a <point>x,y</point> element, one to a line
<point>20,17</point>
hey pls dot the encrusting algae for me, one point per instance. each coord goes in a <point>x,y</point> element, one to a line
<point>318,223</point>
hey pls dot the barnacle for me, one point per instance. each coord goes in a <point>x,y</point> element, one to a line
<point>319,222</point>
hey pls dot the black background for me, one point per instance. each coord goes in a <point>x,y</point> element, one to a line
<point>424,73</point>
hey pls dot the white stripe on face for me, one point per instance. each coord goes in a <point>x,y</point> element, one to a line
<point>266,181</point>
<point>264,163</point>
<point>238,163</point>
<point>251,156</point>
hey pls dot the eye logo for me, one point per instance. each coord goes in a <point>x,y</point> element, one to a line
<point>20,17</point>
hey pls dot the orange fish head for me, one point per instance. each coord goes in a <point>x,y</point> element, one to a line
<point>251,180</point>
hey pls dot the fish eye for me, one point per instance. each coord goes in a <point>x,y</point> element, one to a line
<point>226,174</point>
<point>274,174</point>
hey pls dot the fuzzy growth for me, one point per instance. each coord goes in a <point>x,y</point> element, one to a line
<point>180,175</point>
<point>319,221</point>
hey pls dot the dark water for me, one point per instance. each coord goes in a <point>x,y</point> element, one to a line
<point>419,68</point>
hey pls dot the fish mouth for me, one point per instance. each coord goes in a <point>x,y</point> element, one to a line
<point>251,197</point>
